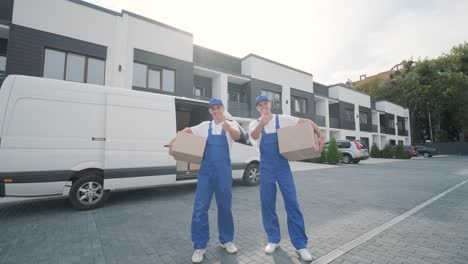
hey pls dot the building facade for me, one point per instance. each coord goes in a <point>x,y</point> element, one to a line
<point>77,41</point>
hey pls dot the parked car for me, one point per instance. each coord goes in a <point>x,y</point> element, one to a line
<point>364,150</point>
<point>411,151</point>
<point>352,151</point>
<point>426,151</point>
<point>61,138</point>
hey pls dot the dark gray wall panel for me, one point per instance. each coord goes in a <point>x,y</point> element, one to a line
<point>320,89</point>
<point>206,57</point>
<point>183,69</point>
<point>6,11</point>
<point>26,49</point>
<point>310,104</point>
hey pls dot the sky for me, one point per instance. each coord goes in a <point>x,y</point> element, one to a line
<point>335,40</point>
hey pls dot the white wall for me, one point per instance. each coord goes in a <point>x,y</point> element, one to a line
<point>264,70</point>
<point>348,95</point>
<point>119,33</point>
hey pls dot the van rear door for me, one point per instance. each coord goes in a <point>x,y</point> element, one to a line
<point>139,125</point>
<point>189,113</point>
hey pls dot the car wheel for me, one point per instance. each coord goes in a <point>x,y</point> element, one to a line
<point>356,161</point>
<point>427,155</point>
<point>251,175</point>
<point>87,192</point>
<point>347,158</point>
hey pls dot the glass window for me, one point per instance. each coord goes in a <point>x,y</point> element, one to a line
<point>391,123</point>
<point>349,115</point>
<point>54,64</point>
<point>199,91</point>
<point>154,79</point>
<point>234,97</point>
<point>299,105</point>
<point>363,117</point>
<point>275,98</point>
<point>139,75</point>
<point>75,68</point>
<point>95,73</point>
<point>168,80</point>
<point>2,63</point>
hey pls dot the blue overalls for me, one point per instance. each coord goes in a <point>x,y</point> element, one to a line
<point>215,175</point>
<point>275,168</point>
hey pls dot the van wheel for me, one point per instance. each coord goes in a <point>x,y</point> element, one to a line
<point>251,175</point>
<point>88,192</point>
<point>347,158</point>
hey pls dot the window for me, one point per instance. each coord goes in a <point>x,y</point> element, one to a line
<point>2,63</point>
<point>400,125</point>
<point>275,99</point>
<point>391,123</point>
<point>95,71</point>
<point>2,66</point>
<point>54,64</point>
<point>153,77</point>
<point>349,115</point>
<point>299,104</point>
<point>74,67</point>
<point>363,117</point>
<point>199,91</point>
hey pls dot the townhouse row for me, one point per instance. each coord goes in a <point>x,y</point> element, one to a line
<point>77,41</point>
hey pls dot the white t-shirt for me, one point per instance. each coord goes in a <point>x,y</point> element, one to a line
<point>201,130</point>
<point>284,121</point>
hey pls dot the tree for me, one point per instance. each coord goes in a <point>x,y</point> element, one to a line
<point>437,85</point>
<point>333,156</point>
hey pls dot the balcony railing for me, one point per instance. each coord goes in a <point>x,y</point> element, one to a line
<point>383,129</point>
<point>320,120</point>
<point>239,109</point>
<point>334,122</point>
<point>375,128</point>
<point>390,131</point>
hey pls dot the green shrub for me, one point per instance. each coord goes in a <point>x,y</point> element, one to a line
<point>388,152</point>
<point>333,156</point>
<point>400,152</point>
<point>375,151</point>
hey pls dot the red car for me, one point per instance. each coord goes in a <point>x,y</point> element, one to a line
<point>411,151</point>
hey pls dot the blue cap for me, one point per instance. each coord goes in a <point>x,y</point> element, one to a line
<point>215,101</point>
<point>261,98</point>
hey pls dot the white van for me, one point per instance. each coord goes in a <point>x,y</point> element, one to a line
<point>84,140</point>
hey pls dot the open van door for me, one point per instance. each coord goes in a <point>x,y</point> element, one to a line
<point>189,113</point>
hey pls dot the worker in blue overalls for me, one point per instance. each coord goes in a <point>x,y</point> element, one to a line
<point>215,176</point>
<point>274,168</point>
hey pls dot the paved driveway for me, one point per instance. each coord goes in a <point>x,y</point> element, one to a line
<point>339,204</point>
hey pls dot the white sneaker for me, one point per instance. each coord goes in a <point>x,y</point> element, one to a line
<point>305,255</point>
<point>198,255</point>
<point>230,247</point>
<point>271,247</point>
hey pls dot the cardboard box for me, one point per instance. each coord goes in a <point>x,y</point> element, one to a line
<point>298,142</point>
<point>189,148</point>
<point>183,166</point>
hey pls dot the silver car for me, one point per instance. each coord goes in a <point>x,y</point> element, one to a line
<point>352,151</point>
